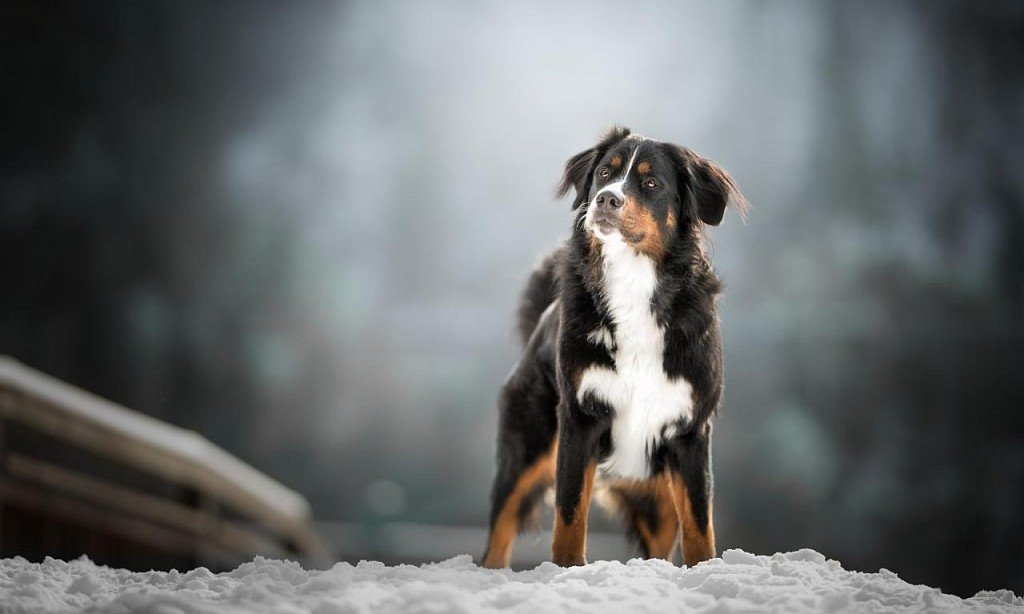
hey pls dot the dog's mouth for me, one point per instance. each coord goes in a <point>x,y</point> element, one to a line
<point>605,224</point>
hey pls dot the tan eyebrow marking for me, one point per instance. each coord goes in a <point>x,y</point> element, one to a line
<point>644,167</point>
<point>616,161</point>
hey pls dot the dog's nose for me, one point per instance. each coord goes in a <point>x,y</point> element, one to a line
<point>609,199</point>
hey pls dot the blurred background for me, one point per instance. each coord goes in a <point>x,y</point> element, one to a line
<point>300,228</point>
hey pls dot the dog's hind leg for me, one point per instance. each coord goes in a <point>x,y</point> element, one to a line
<point>526,463</point>
<point>689,478</point>
<point>514,498</point>
<point>649,513</point>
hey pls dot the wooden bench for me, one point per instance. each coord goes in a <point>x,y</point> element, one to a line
<point>82,475</point>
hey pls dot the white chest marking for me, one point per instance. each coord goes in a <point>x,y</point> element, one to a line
<point>602,336</point>
<point>645,400</point>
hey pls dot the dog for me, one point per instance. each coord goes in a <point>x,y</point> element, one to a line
<point>621,371</point>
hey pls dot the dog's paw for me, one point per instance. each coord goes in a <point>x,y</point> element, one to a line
<point>570,561</point>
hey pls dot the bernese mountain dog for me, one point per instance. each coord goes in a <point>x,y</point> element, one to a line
<point>621,370</point>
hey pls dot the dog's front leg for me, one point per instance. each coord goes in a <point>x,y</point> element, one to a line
<point>575,466</point>
<point>690,481</point>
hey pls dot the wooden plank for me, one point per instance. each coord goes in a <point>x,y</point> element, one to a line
<point>67,508</point>
<point>196,523</point>
<point>19,405</point>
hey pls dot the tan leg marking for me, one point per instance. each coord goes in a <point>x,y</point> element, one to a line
<point>660,543</point>
<point>503,533</point>
<point>698,544</point>
<point>569,546</point>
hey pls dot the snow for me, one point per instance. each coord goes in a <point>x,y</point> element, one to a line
<point>802,581</point>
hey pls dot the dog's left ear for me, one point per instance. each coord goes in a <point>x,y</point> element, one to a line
<point>709,187</point>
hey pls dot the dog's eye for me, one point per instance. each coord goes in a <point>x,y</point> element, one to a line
<point>651,182</point>
<point>604,172</point>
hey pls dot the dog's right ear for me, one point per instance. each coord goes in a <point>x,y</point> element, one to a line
<point>579,169</point>
<point>579,172</point>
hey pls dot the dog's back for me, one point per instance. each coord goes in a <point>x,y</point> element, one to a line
<point>541,289</point>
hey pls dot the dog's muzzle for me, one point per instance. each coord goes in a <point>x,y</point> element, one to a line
<point>607,199</point>
<point>607,209</point>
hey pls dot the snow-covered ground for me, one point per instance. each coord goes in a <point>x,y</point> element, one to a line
<point>802,581</point>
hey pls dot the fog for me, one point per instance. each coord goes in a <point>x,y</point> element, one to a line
<point>301,228</point>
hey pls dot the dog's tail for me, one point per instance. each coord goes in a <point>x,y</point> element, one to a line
<point>541,289</point>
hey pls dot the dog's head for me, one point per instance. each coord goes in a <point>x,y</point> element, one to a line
<point>645,192</point>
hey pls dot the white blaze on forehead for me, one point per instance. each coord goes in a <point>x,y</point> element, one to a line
<point>616,188</point>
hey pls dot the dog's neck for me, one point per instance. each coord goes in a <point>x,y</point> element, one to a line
<point>683,268</point>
